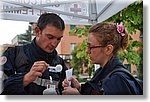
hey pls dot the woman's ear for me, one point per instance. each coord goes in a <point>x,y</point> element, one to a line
<point>109,49</point>
<point>37,31</point>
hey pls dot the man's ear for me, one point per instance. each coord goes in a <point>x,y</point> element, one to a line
<point>37,31</point>
<point>109,49</point>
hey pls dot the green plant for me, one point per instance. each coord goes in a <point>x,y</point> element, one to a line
<point>132,18</point>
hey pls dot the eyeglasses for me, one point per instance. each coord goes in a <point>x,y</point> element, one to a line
<point>92,47</point>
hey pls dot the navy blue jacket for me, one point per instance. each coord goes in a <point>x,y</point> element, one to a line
<point>16,71</point>
<point>118,84</point>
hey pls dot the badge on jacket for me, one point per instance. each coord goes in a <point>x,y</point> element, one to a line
<point>3,60</point>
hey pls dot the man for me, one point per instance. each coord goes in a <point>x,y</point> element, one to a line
<point>26,68</point>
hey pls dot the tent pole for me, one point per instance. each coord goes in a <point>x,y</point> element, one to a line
<point>92,12</point>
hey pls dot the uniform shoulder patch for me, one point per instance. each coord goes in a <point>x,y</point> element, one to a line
<point>3,60</point>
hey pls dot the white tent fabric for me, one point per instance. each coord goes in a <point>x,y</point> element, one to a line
<point>73,12</point>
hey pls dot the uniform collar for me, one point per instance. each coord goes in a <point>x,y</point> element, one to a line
<point>112,64</point>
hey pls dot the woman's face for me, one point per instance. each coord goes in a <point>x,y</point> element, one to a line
<point>95,50</point>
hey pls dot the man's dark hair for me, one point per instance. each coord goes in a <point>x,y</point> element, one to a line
<point>52,19</point>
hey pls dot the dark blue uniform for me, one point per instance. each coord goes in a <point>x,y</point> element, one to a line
<point>15,70</point>
<point>118,84</point>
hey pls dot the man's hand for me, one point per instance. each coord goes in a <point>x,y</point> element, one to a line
<point>36,71</point>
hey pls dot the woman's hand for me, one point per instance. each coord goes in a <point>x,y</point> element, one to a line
<point>74,89</point>
<point>70,91</point>
<point>74,83</point>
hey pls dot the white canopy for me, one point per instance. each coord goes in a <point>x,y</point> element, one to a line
<point>73,12</point>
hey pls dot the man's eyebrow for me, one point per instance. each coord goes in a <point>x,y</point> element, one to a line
<point>54,36</point>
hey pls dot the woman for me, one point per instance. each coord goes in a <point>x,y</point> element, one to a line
<point>103,43</point>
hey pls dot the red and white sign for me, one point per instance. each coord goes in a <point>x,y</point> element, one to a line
<point>73,12</point>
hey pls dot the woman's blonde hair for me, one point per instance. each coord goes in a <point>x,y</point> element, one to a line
<point>106,33</point>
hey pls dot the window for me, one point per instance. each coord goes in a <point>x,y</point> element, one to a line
<point>141,34</point>
<point>72,27</point>
<point>72,46</point>
<point>128,66</point>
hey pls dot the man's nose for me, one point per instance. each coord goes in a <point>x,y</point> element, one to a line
<point>54,42</point>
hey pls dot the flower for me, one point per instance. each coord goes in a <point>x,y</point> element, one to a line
<point>120,29</point>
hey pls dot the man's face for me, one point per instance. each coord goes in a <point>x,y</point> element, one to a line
<point>49,38</point>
